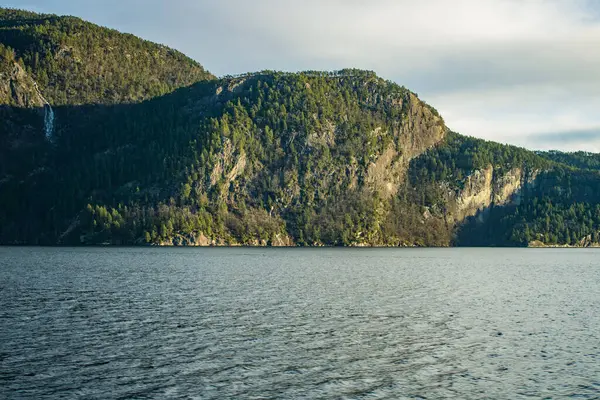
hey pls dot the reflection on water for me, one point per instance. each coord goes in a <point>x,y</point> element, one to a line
<point>299,323</point>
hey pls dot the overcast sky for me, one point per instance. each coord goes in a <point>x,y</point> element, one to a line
<point>525,72</point>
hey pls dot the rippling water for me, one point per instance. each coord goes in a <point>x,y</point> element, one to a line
<point>299,323</point>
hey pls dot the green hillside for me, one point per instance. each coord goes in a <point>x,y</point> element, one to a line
<point>76,62</point>
<point>148,148</point>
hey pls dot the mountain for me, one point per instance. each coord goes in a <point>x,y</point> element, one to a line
<point>76,62</point>
<point>578,159</point>
<point>158,151</point>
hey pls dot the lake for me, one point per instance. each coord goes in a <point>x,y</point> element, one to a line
<point>210,323</point>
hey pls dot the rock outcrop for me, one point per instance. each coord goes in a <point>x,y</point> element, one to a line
<point>487,188</point>
<point>199,239</point>
<point>420,130</point>
<point>229,165</point>
<point>590,241</point>
<point>18,89</point>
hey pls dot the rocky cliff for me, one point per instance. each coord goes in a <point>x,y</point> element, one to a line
<point>420,129</point>
<point>486,188</point>
<point>17,88</point>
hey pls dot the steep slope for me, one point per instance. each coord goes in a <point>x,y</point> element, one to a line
<point>76,62</point>
<point>265,158</point>
<point>17,87</point>
<point>49,63</point>
<point>22,117</point>
<point>498,195</point>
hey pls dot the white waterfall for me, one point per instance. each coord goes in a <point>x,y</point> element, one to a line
<point>48,114</point>
<point>48,121</point>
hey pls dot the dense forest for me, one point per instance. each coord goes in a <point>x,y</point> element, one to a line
<point>561,206</point>
<point>146,147</point>
<point>76,62</point>
<point>578,159</point>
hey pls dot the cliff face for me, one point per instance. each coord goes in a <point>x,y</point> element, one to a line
<point>23,114</point>
<point>488,188</point>
<point>17,88</point>
<point>476,195</point>
<point>229,165</point>
<point>422,129</point>
<point>419,131</point>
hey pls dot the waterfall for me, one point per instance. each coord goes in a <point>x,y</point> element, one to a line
<point>48,114</point>
<point>48,121</point>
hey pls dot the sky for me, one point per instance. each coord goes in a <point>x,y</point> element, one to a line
<point>525,72</point>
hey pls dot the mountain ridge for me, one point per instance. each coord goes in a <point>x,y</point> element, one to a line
<point>77,62</point>
<point>267,158</point>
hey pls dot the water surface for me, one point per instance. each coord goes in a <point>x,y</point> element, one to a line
<point>299,323</point>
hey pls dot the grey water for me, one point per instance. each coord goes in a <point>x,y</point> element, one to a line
<point>245,323</point>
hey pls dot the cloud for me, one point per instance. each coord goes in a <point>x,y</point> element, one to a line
<point>570,136</point>
<point>500,69</point>
<point>568,140</point>
<point>518,114</point>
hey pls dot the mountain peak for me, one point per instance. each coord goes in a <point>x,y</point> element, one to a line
<point>77,62</point>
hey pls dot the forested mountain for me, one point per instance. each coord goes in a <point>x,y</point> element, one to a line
<point>578,159</point>
<point>107,138</point>
<point>76,62</point>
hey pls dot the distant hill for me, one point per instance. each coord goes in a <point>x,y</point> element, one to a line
<point>76,62</point>
<point>108,139</point>
<point>578,159</point>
